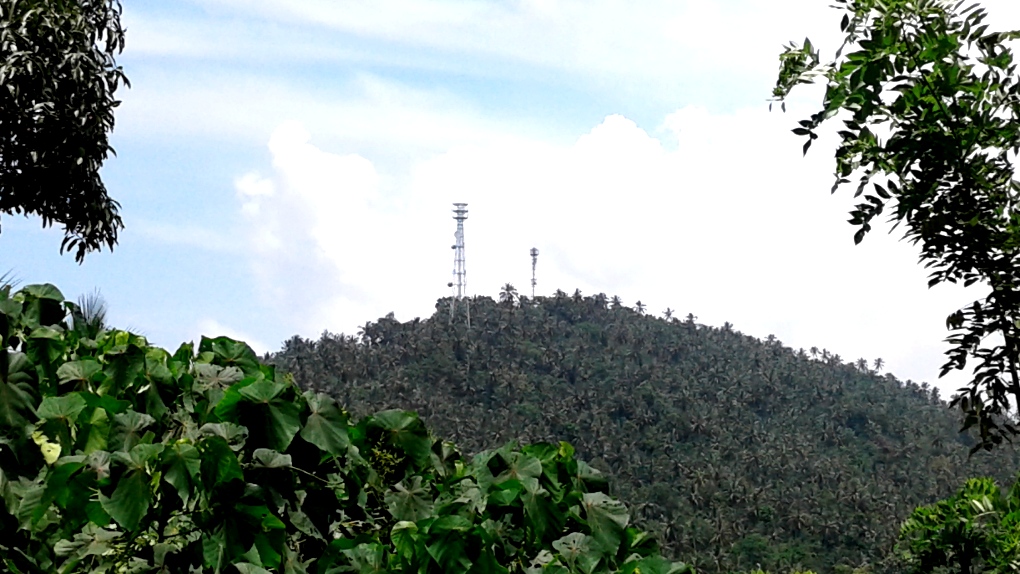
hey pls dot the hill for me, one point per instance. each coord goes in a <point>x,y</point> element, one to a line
<point>735,451</point>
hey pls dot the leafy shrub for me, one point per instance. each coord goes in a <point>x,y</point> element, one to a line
<point>117,456</point>
<point>975,530</point>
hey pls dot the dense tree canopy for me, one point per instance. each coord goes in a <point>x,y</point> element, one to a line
<point>929,103</point>
<point>58,77</point>
<point>734,451</point>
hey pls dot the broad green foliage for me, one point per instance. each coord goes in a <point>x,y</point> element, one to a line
<point>929,103</point>
<point>58,77</point>
<point>975,530</point>
<point>736,452</point>
<point>116,456</point>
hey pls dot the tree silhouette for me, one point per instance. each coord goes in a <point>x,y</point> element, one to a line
<point>56,112</point>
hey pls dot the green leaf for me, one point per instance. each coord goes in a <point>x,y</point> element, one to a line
<point>44,291</point>
<point>607,519</point>
<point>303,523</point>
<point>127,429</point>
<point>268,458</point>
<point>141,455</point>
<point>182,464</point>
<point>448,546</point>
<point>235,435</point>
<point>219,463</point>
<point>572,546</point>
<point>326,426</point>
<point>655,565</point>
<point>230,353</point>
<point>409,502</point>
<point>404,429</point>
<point>543,516</point>
<point>367,559</point>
<point>249,568</point>
<point>15,404</point>
<point>65,407</point>
<point>404,535</point>
<point>527,469</point>
<point>214,549</point>
<point>78,371</point>
<point>42,306</point>
<point>262,516</point>
<point>98,431</point>
<point>217,375</point>
<point>130,501</point>
<point>281,419</point>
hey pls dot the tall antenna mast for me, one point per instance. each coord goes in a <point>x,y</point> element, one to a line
<point>459,273</point>
<point>459,283</point>
<point>534,262</point>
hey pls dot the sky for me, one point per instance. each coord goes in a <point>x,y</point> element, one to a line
<point>288,167</point>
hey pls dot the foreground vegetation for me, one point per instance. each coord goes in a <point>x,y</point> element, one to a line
<point>736,452</point>
<point>116,456</point>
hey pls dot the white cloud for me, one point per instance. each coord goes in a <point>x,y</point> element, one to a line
<point>730,224</point>
<point>212,328</point>
<point>710,212</point>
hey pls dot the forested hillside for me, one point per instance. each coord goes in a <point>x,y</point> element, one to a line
<point>734,450</point>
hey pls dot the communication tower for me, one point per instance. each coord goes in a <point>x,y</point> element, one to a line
<point>534,263</point>
<point>459,283</point>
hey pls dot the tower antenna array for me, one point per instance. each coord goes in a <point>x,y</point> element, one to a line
<point>534,262</point>
<point>459,283</point>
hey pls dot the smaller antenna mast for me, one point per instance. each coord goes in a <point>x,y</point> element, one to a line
<point>534,263</point>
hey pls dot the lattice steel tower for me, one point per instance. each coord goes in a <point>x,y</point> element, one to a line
<point>459,282</point>
<point>534,263</point>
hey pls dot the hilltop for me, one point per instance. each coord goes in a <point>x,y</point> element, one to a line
<point>735,451</point>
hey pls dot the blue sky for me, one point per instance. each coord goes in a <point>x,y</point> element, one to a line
<point>288,167</point>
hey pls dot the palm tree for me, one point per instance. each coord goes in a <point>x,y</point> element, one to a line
<point>879,363</point>
<point>668,313</point>
<point>508,295</point>
<point>88,319</point>
<point>640,308</point>
<point>8,280</point>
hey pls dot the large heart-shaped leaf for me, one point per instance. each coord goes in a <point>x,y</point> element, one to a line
<point>230,353</point>
<point>405,429</point>
<point>326,426</point>
<point>78,371</point>
<point>64,407</point>
<point>219,463</point>
<point>279,419</point>
<point>128,428</point>
<point>130,501</point>
<point>409,502</point>
<point>15,404</point>
<point>607,519</point>
<point>182,463</point>
<point>98,431</point>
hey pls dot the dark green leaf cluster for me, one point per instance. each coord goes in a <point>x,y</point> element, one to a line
<point>116,456</point>
<point>929,100</point>
<point>734,451</point>
<point>58,77</point>
<point>975,530</point>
